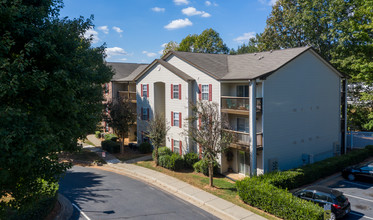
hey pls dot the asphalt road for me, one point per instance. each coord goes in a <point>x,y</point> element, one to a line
<point>101,194</point>
<point>359,193</point>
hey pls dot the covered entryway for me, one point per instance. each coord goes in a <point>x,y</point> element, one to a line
<point>160,99</point>
<point>243,162</point>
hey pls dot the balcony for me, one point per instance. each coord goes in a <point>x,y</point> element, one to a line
<point>241,140</point>
<point>239,105</point>
<point>127,95</point>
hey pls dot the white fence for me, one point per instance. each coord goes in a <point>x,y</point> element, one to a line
<point>359,139</point>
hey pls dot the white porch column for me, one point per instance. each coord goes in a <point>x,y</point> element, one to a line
<point>252,124</point>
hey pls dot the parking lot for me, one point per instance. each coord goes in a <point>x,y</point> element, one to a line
<point>359,193</point>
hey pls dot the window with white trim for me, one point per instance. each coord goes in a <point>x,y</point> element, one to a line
<point>145,115</point>
<point>145,90</point>
<point>176,146</point>
<point>205,92</point>
<point>176,119</point>
<point>176,91</point>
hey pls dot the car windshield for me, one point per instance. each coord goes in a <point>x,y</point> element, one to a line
<point>341,199</point>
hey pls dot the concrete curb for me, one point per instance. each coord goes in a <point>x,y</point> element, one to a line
<point>66,208</point>
<point>202,199</point>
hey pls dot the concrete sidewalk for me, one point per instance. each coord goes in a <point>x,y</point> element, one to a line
<point>207,201</point>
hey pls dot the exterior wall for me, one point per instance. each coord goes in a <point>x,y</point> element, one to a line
<point>301,112</point>
<point>160,74</point>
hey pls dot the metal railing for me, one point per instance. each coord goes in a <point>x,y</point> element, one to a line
<point>243,138</point>
<point>240,103</point>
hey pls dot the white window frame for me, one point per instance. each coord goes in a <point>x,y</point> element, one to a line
<point>176,119</point>
<point>176,146</point>
<point>176,91</point>
<point>145,90</point>
<point>205,92</point>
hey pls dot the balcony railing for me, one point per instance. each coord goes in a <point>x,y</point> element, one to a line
<point>127,95</point>
<point>239,103</point>
<point>243,138</point>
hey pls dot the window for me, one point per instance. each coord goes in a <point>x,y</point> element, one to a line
<point>176,119</point>
<point>306,194</point>
<point>106,88</point>
<point>243,91</point>
<point>145,114</point>
<point>242,125</point>
<point>145,91</point>
<point>321,196</point>
<point>176,91</point>
<point>205,92</point>
<point>176,146</point>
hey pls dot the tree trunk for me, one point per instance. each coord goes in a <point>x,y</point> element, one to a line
<point>122,146</point>
<point>156,155</point>
<point>211,174</point>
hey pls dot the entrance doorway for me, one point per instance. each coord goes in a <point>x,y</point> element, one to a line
<point>243,162</point>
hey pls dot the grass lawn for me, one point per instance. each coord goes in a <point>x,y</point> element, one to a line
<point>129,154</point>
<point>83,157</point>
<point>224,188</point>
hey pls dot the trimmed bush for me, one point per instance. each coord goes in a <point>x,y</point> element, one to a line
<point>162,151</point>
<point>280,202</point>
<point>190,159</point>
<point>202,167</point>
<point>145,148</point>
<point>174,162</point>
<point>97,134</point>
<point>110,146</point>
<point>110,137</point>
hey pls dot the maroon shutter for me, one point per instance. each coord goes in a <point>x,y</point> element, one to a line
<point>142,91</point>
<point>210,92</point>
<point>142,116</point>
<point>147,90</point>
<point>148,113</point>
<point>200,151</point>
<point>180,91</point>
<point>199,121</point>
<point>172,91</point>
<point>172,118</point>
<point>179,119</point>
<point>180,147</point>
<point>172,145</point>
<point>200,91</point>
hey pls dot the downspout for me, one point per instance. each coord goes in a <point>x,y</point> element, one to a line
<point>344,117</point>
<point>252,124</point>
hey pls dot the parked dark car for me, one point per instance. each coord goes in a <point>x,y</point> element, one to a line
<point>365,171</point>
<point>340,206</point>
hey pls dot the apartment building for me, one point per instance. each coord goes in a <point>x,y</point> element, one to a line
<point>286,107</point>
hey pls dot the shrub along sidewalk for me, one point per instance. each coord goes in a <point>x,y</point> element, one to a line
<point>269,192</point>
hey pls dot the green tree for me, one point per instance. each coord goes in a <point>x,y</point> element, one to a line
<point>121,116</point>
<point>250,47</point>
<point>211,135</point>
<point>209,41</point>
<point>50,93</point>
<point>170,46</point>
<point>157,131</point>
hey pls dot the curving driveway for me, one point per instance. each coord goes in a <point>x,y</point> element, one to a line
<point>100,194</point>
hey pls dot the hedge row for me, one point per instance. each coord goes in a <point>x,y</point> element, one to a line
<point>172,161</point>
<point>276,201</point>
<point>110,146</point>
<point>269,192</point>
<point>202,166</point>
<point>310,173</point>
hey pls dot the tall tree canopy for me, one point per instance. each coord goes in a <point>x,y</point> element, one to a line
<point>50,91</point>
<point>209,41</point>
<point>340,30</point>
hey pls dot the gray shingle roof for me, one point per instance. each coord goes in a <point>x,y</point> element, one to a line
<point>243,66</point>
<point>122,70</point>
<point>133,75</point>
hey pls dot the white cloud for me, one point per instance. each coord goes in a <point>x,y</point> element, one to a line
<point>117,29</point>
<point>92,33</point>
<point>164,45</point>
<point>157,9</point>
<point>191,11</point>
<point>160,52</point>
<point>115,51</point>
<point>123,59</point>
<point>179,23</point>
<point>181,2</point>
<point>208,3</point>
<point>245,37</point>
<point>268,2</point>
<point>104,29</point>
<point>149,54</point>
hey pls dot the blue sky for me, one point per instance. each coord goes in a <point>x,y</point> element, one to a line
<point>135,30</point>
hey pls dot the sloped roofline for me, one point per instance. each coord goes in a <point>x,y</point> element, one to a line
<point>168,66</point>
